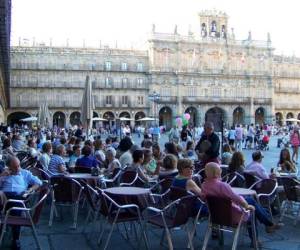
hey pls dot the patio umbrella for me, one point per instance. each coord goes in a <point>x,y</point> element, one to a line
<point>292,120</point>
<point>87,105</point>
<point>125,119</point>
<point>99,119</point>
<point>29,119</point>
<point>147,119</point>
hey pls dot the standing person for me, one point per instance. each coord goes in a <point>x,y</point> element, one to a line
<point>174,134</point>
<point>238,137</point>
<point>208,147</point>
<point>250,136</point>
<point>295,142</point>
<point>231,136</point>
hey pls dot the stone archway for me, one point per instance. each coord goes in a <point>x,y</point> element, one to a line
<point>110,117</point>
<point>139,115</point>
<point>289,116</point>
<point>165,117</point>
<point>279,118</point>
<point>75,118</point>
<point>15,117</point>
<point>260,115</point>
<point>238,116</point>
<point>59,119</point>
<point>217,116</point>
<point>125,114</point>
<point>194,120</point>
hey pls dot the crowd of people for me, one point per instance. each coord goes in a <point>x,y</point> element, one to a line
<point>187,152</point>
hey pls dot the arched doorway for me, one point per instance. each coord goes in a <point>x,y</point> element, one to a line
<point>125,114</point>
<point>260,116</point>
<point>216,115</point>
<point>59,119</point>
<point>111,119</point>
<point>194,120</point>
<point>165,117</point>
<point>139,115</point>
<point>279,118</point>
<point>75,118</point>
<point>238,116</point>
<point>95,124</point>
<point>15,117</point>
<point>289,116</point>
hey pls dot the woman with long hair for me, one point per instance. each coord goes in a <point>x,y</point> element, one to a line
<point>285,163</point>
<point>237,163</point>
<point>295,142</point>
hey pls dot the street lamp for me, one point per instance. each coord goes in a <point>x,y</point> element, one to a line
<point>154,97</point>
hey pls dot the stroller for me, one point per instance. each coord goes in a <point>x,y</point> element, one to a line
<point>263,144</point>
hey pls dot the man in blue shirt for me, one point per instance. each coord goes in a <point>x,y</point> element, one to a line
<point>15,182</point>
<point>87,160</point>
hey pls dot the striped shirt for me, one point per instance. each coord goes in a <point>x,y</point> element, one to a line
<point>55,162</point>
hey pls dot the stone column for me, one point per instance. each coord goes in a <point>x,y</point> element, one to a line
<point>252,111</point>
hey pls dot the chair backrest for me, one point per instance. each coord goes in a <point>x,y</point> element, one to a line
<point>239,181</point>
<point>220,210</point>
<point>265,186</point>
<point>249,179</point>
<point>289,185</point>
<point>128,177</point>
<point>40,173</point>
<point>21,155</point>
<point>184,210</point>
<point>115,174</point>
<point>83,170</point>
<point>66,190</point>
<point>165,184</point>
<point>38,206</point>
<point>177,193</point>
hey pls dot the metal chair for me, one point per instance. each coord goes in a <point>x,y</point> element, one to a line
<point>128,178</point>
<point>220,216</point>
<point>32,215</point>
<point>234,179</point>
<point>174,215</point>
<point>114,178</point>
<point>115,213</point>
<point>250,179</point>
<point>65,192</point>
<point>292,191</point>
<point>266,192</point>
<point>40,173</point>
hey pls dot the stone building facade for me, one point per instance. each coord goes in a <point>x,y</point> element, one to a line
<point>209,74</point>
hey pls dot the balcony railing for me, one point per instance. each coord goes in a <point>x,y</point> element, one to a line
<point>215,99</point>
<point>167,99</point>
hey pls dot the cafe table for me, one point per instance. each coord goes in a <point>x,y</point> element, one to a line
<point>130,195</point>
<point>244,191</point>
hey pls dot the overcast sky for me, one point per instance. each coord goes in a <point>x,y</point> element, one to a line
<point>129,21</point>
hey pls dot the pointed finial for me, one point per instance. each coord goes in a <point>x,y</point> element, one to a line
<point>175,30</point>
<point>249,35</point>
<point>269,37</point>
<point>153,28</point>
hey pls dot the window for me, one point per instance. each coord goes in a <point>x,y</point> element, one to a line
<point>109,100</point>
<point>108,82</point>
<point>124,66</point>
<point>140,82</point>
<point>191,92</point>
<point>124,100</point>
<point>140,67</point>
<point>165,91</point>
<point>107,66</point>
<point>125,82</point>
<point>140,100</point>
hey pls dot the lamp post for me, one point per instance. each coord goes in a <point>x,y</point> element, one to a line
<point>154,97</point>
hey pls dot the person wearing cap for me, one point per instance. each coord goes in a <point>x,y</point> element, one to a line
<point>209,152</point>
<point>255,167</point>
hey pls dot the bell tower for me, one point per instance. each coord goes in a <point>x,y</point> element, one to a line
<point>213,23</point>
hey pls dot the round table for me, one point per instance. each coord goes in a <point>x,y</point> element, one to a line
<point>85,176</point>
<point>244,191</point>
<point>130,195</point>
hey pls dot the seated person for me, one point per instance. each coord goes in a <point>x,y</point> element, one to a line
<point>111,160</point>
<point>256,168</point>
<point>227,154</point>
<point>213,186</point>
<point>45,158</point>
<point>75,155</point>
<point>15,183</point>
<point>285,164</point>
<point>149,163</point>
<point>87,160</point>
<point>237,163</point>
<point>158,155</point>
<point>169,167</point>
<point>138,159</point>
<point>32,151</point>
<point>170,148</point>
<point>57,164</point>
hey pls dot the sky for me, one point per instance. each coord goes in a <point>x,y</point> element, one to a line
<point>129,21</point>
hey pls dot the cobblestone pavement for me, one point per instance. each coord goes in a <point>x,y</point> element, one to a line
<point>61,237</point>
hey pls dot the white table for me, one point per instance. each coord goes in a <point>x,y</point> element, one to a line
<point>85,176</point>
<point>244,191</point>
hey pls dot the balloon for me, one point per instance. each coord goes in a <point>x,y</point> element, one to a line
<point>187,116</point>
<point>179,121</point>
<point>185,122</point>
